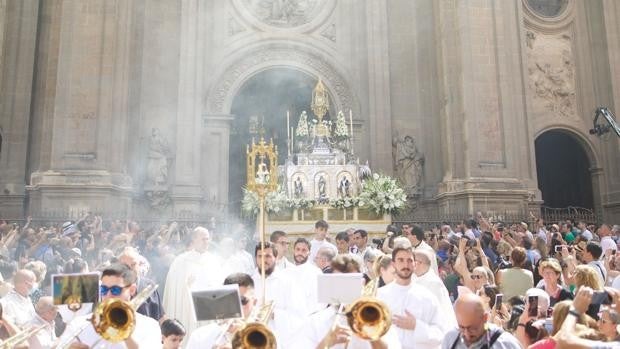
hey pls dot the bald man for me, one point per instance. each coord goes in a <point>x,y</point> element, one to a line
<point>46,313</point>
<point>195,269</point>
<point>474,330</point>
<point>17,306</point>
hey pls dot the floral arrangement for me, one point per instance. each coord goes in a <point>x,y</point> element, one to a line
<point>275,202</point>
<point>301,203</point>
<point>341,131</point>
<point>302,126</point>
<point>382,194</point>
<point>346,202</point>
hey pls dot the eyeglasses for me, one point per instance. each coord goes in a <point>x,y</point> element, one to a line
<point>114,290</point>
<point>476,277</point>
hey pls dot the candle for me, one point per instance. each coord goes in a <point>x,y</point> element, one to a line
<point>292,140</point>
<point>288,127</point>
<point>351,123</point>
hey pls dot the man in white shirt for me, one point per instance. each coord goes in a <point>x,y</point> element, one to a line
<point>16,305</point>
<point>591,256</point>
<point>360,239</point>
<point>434,285</point>
<point>46,313</point>
<point>117,281</point>
<point>215,334</point>
<point>193,270</point>
<point>585,233</point>
<point>320,233</point>
<point>607,243</point>
<point>415,311</point>
<point>279,239</point>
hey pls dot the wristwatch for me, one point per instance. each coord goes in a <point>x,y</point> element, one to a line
<point>574,312</point>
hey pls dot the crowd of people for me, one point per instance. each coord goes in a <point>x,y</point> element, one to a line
<point>476,284</point>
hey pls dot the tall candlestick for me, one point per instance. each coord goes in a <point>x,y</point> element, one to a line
<point>351,125</point>
<point>292,140</point>
<point>288,127</point>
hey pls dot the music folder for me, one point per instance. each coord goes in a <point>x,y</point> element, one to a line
<point>221,303</point>
<point>339,288</point>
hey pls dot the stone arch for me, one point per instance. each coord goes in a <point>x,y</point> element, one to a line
<point>267,56</point>
<point>562,176</point>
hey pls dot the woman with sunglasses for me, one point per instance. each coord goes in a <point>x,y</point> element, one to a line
<point>608,324</point>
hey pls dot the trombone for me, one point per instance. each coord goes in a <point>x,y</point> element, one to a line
<point>114,319</point>
<point>20,337</point>
<point>254,332</point>
<point>368,317</point>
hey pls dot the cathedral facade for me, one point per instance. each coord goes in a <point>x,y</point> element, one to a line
<point>141,108</point>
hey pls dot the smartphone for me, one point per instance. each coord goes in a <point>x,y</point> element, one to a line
<point>558,248</point>
<point>498,301</point>
<point>532,309</point>
<point>601,297</point>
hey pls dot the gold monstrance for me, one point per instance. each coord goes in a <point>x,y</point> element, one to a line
<point>262,178</point>
<point>320,106</point>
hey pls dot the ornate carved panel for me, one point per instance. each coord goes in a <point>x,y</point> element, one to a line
<point>551,74</point>
<point>284,13</point>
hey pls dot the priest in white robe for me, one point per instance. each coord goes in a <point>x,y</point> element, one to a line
<point>424,277</point>
<point>415,311</point>
<point>193,270</point>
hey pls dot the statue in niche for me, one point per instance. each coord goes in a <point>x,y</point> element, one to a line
<point>408,164</point>
<point>344,187</point>
<point>158,155</point>
<point>299,188</point>
<point>322,190</point>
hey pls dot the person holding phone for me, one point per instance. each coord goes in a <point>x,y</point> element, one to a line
<point>537,303</point>
<point>551,272</point>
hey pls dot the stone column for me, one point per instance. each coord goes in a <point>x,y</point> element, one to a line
<point>18,32</point>
<point>379,109</point>
<point>214,149</point>
<point>80,108</point>
<point>187,191</point>
<point>480,44</point>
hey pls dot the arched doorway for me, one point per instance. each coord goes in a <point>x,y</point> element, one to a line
<point>563,168</point>
<point>264,100</point>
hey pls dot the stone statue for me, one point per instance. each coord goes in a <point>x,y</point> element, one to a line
<point>157,165</point>
<point>299,188</point>
<point>322,190</point>
<point>344,187</point>
<point>408,164</point>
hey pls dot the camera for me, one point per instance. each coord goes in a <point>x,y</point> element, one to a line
<point>378,242</point>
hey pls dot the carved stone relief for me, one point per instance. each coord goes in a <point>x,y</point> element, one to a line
<point>158,162</point>
<point>551,73</point>
<point>273,53</point>
<point>408,164</point>
<point>234,27</point>
<point>284,13</point>
<point>329,32</point>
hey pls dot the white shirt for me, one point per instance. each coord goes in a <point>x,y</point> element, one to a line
<point>419,302</point>
<point>542,233</point>
<point>504,341</point>
<point>607,243</point>
<point>587,235</point>
<point>146,333</point>
<point>284,263</point>
<point>17,308</point>
<point>44,339</point>
<point>316,327</point>
<point>276,290</point>
<point>316,245</point>
<point>600,270</point>
<point>424,246</point>
<point>437,288</point>
<point>302,289</point>
<point>206,337</point>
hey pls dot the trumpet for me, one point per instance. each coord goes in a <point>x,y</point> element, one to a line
<point>20,337</point>
<point>255,334</point>
<point>114,319</point>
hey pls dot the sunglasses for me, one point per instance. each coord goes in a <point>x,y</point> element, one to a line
<point>476,277</point>
<point>114,290</point>
<point>244,300</point>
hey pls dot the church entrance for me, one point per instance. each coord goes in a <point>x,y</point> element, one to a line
<point>563,168</point>
<point>260,107</point>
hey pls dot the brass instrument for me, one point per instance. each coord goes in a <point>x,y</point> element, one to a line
<point>255,334</point>
<point>114,319</point>
<point>368,317</point>
<point>20,337</point>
